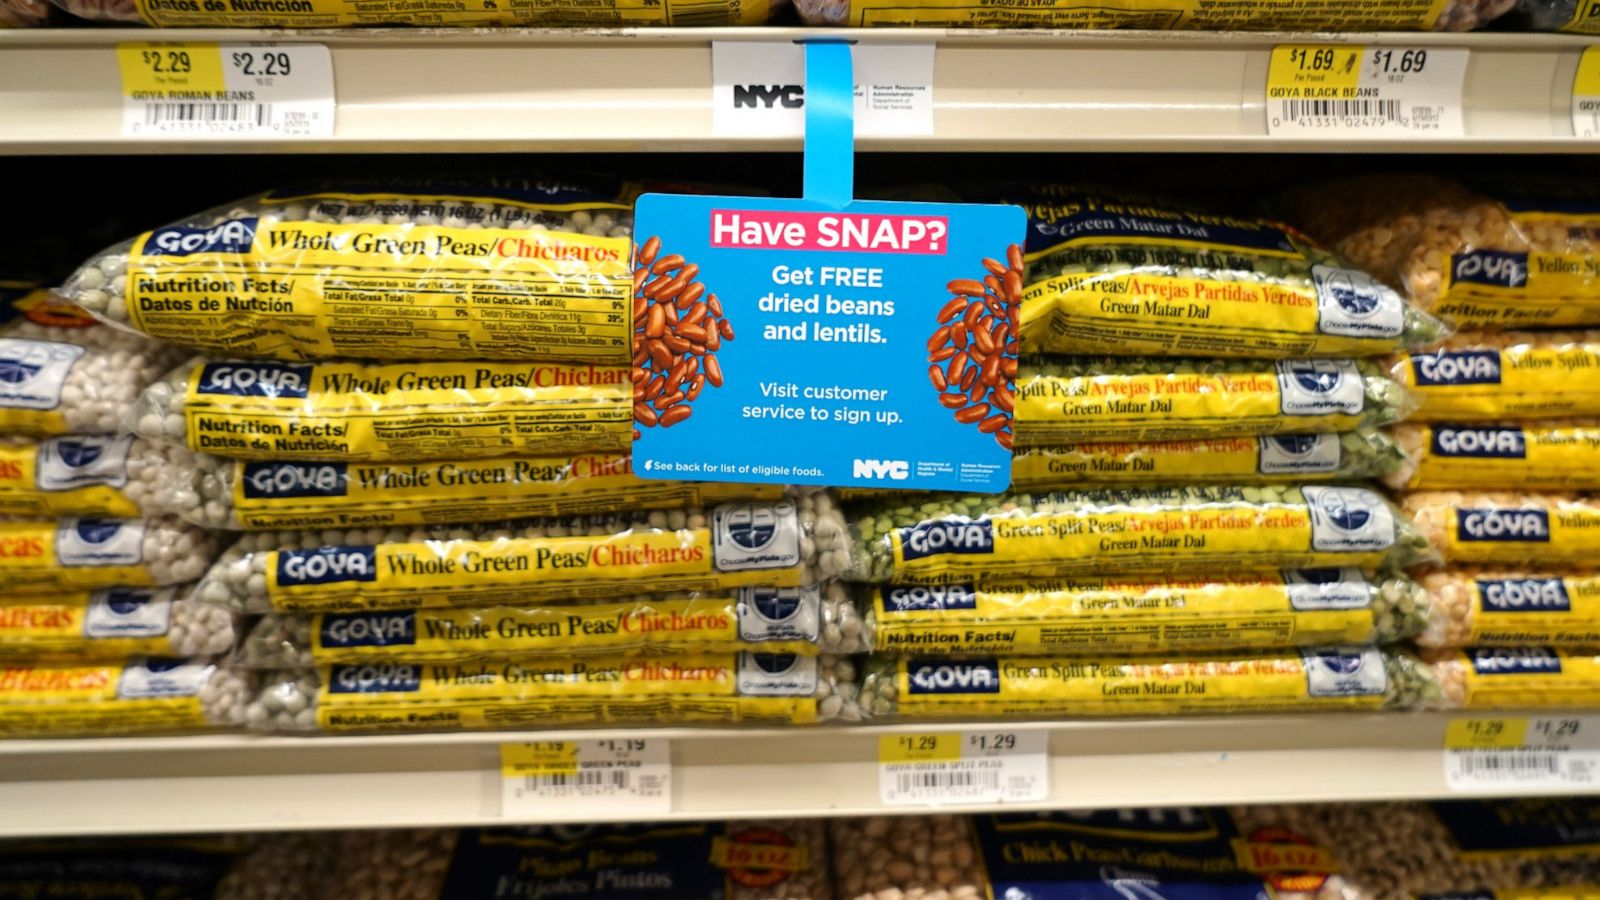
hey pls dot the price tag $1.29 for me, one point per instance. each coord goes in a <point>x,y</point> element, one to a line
<point>226,91</point>
<point>1497,754</point>
<point>963,767</point>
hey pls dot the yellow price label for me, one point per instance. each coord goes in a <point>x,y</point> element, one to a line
<point>911,748</point>
<point>1301,70</point>
<point>1587,82</point>
<point>1485,734</point>
<point>539,758</point>
<point>163,68</point>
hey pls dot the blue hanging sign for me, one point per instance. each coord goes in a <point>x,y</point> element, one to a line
<point>823,340</point>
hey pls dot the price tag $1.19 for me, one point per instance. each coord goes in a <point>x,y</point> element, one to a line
<point>963,767</point>
<point>226,91</point>
<point>547,777</point>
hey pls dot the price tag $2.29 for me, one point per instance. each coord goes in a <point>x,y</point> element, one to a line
<point>226,91</point>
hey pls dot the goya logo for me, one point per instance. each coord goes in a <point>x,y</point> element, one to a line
<point>919,597</point>
<point>1515,661</point>
<point>327,565</point>
<point>1495,268</point>
<point>290,479</point>
<point>232,236</point>
<point>255,380</point>
<point>1523,595</point>
<point>395,629</point>
<point>1530,525</point>
<point>374,678</point>
<point>934,538</point>
<point>1479,443</point>
<point>953,676</point>
<point>1456,367</point>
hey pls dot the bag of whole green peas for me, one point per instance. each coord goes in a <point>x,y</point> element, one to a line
<point>959,538</point>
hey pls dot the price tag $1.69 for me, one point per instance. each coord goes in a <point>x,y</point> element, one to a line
<point>1341,91</point>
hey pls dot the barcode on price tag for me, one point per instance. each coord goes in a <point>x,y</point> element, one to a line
<point>1494,755</point>
<point>963,767</point>
<point>1343,92</point>
<point>561,777</point>
<point>226,91</point>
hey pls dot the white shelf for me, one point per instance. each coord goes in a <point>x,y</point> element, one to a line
<point>236,783</point>
<point>649,90</point>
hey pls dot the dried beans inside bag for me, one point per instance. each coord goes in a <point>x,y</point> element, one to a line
<point>492,269</point>
<point>1252,15</point>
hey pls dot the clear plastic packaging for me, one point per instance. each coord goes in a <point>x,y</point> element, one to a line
<point>1152,276</point>
<point>326,14</point>
<point>1492,376</point>
<point>1515,255</point>
<point>1180,613</point>
<point>1029,687</point>
<point>1066,400</point>
<point>1508,528</point>
<point>789,543</point>
<point>223,493</point>
<point>60,375</point>
<point>933,856</point>
<point>1476,606</point>
<point>353,412</point>
<point>960,538</point>
<point>697,689</point>
<point>76,475</point>
<point>1458,848</point>
<point>1528,677</point>
<point>142,696</point>
<point>681,859</point>
<point>1360,455</point>
<point>806,621</point>
<point>88,554</point>
<point>376,271</point>
<point>1554,455</point>
<point>1253,15</point>
<point>114,624</point>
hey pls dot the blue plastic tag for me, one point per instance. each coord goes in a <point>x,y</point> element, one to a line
<point>825,341</point>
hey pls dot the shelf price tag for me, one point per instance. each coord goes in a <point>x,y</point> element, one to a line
<point>938,768</point>
<point>1492,755</point>
<point>542,778</point>
<point>226,91</point>
<point>1586,95</point>
<point>1341,92</point>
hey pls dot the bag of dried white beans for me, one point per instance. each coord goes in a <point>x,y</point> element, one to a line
<point>252,495</point>
<point>117,623</point>
<point>39,556</point>
<point>498,270</point>
<point>789,543</point>
<point>1508,528</point>
<point>61,373</point>
<point>1481,257</point>
<point>356,412</point>
<point>137,697</point>
<point>1152,275</point>
<point>701,688</point>
<point>1499,375</point>
<point>1250,15</point>
<point>77,475</point>
<point>677,860</point>
<point>1511,606</point>
<point>807,621</point>
<point>1538,455</point>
